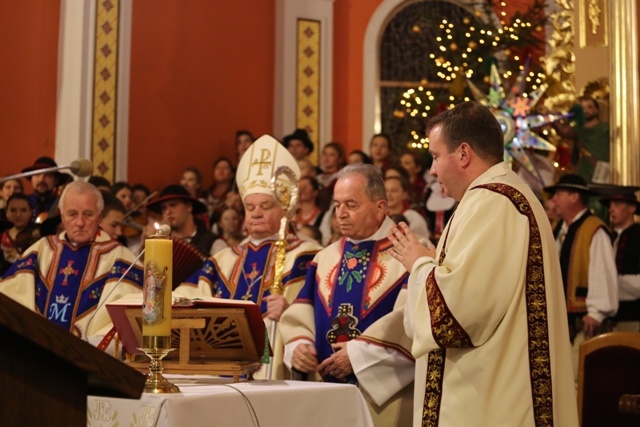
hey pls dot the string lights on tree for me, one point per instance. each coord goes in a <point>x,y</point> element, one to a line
<point>465,51</point>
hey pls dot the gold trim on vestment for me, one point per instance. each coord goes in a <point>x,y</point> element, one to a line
<point>448,333</point>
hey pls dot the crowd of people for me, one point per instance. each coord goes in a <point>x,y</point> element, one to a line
<point>447,293</point>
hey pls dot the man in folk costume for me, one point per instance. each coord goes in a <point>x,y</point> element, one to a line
<point>180,210</point>
<point>586,259</point>
<point>69,278</point>
<point>346,323</point>
<point>43,198</point>
<point>623,205</point>
<point>486,308</point>
<point>247,271</point>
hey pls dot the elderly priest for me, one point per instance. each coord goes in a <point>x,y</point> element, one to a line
<point>247,271</point>
<point>69,278</point>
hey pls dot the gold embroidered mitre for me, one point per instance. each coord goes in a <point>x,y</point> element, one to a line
<point>260,162</point>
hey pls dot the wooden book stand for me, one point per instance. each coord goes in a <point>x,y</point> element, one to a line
<point>213,337</point>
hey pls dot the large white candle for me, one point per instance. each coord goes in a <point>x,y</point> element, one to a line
<point>156,307</point>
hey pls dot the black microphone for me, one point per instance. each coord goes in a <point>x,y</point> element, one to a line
<point>165,230</point>
<point>80,167</point>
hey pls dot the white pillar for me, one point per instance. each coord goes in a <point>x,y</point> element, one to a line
<point>74,92</point>
<point>74,111</point>
<point>287,14</point>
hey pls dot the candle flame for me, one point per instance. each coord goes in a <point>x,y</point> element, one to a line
<point>156,226</point>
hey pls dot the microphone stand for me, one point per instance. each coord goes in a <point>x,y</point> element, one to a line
<point>110,292</point>
<point>75,168</point>
<point>35,172</point>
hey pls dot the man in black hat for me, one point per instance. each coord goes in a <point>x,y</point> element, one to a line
<point>623,205</point>
<point>178,209</point>
<point>586,258</point>
<point>43,199</point>
<point>299,144</point>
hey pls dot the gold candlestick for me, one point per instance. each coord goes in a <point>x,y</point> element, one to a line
<point>156,310</point>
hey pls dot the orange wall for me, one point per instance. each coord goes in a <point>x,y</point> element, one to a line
<point>29,54</point>
<point>350,23</point>
<point>200,70</point>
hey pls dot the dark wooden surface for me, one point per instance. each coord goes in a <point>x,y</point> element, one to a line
<point>37,388</point>
<point>46,372</point>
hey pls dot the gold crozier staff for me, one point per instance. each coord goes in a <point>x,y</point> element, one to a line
<point>286,192</point>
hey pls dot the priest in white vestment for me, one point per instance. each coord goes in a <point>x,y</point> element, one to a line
<point>486,310</point>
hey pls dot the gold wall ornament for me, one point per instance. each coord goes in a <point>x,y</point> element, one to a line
<point>105,85</point>
<point>559,64</point>
<point>308,81</point>
<point>624,76</point>
<point>593,23</point>
<point>594,15</point>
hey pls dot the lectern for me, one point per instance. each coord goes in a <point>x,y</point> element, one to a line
<point>46,372</point>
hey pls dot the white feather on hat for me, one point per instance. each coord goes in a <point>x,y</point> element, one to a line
<point>259,163</point>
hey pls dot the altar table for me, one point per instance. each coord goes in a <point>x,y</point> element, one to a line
<point>216,402</point>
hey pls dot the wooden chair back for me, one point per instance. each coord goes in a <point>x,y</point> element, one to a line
<point>609,366</point>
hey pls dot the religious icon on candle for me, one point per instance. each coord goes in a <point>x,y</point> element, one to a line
<point>156,309</point>
<point>155,283</point>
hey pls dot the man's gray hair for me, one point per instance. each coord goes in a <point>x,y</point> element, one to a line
<point>81,187</point>
<point>374,187</point>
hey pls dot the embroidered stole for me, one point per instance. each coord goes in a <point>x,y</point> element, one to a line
<point>72,286</point>
<point>448,333</point>
<point>342,297</point>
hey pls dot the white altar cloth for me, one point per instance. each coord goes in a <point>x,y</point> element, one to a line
<point>215,402</point>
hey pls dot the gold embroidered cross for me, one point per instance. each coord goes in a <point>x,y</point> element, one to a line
<point>67,271</point>
<point>264,162</point>
<point>251,279</point>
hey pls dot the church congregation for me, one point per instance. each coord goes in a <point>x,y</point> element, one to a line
<point>68,272</point>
